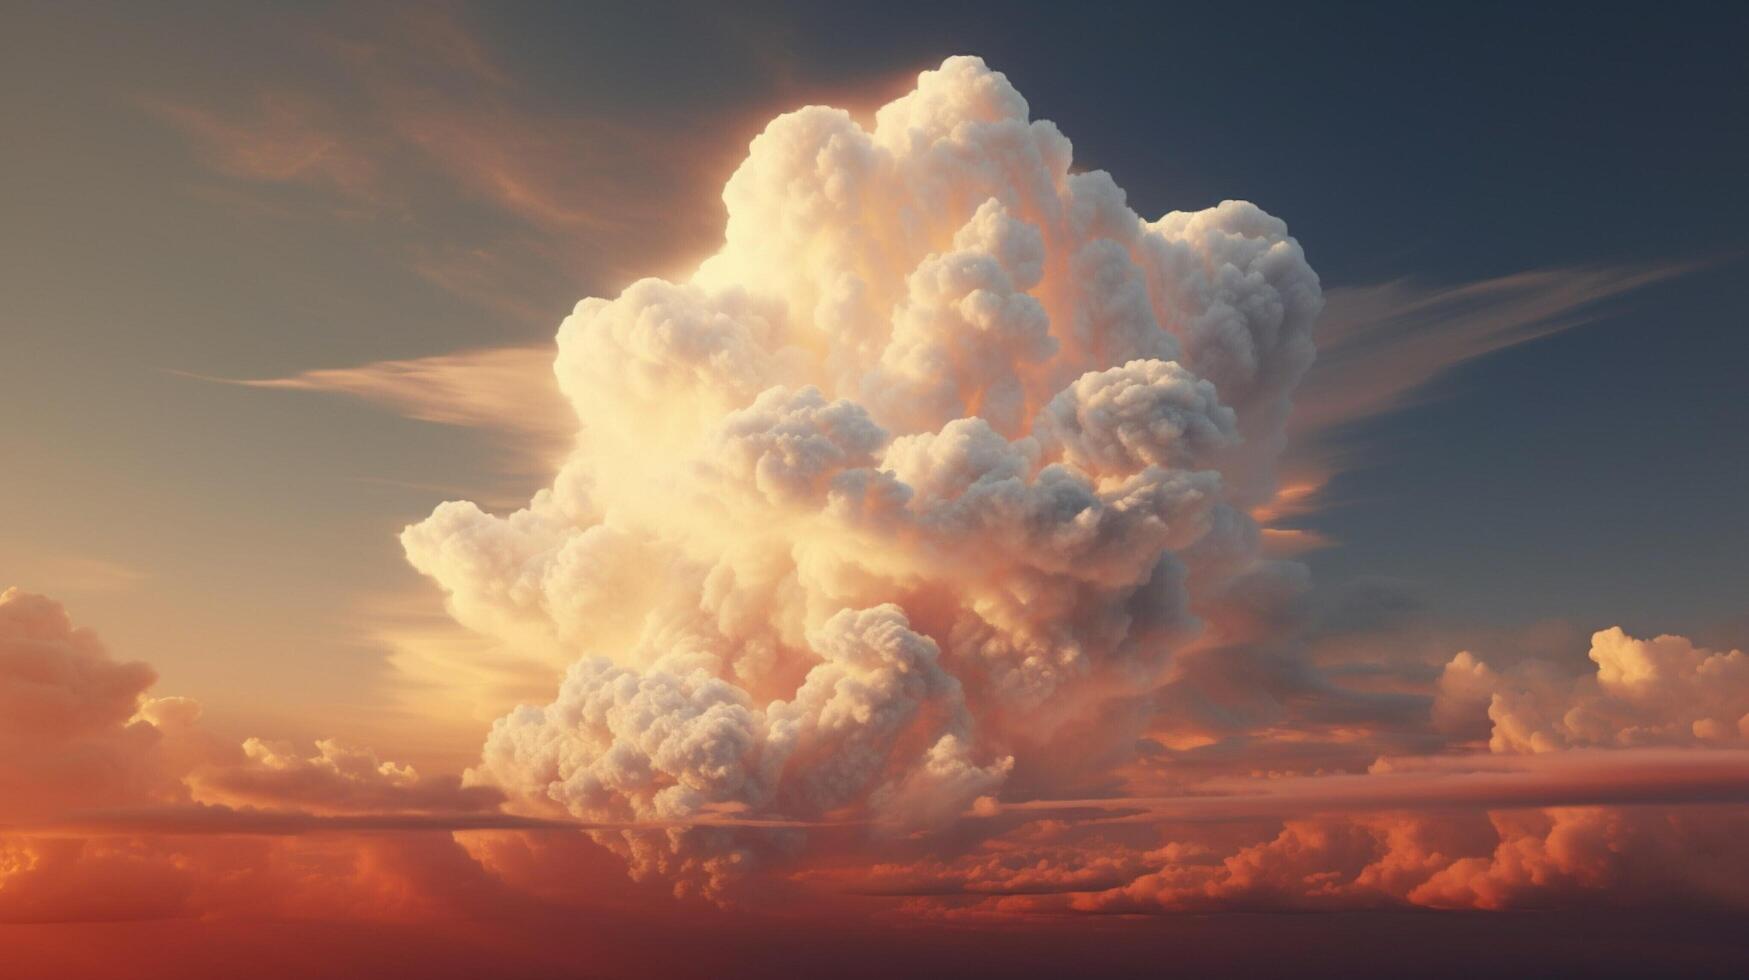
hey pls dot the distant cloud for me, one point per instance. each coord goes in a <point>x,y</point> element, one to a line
<point>1480,781</point>
<point>1511,859</point>
<point>1380,345</point>
<point>68,732</point>
<point>485,192</point>
<point>509,391</point>
<point>283,138</point>
<point>1659,691</point>
<point>79,731</point>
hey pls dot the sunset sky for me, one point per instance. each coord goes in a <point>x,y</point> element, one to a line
<point>492,489</point>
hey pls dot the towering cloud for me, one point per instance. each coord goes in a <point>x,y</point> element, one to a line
<point>944,451</point>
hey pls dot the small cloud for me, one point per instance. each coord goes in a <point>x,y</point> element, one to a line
<point>508,391</point>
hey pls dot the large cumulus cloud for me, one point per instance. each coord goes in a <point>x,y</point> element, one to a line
<point>943,449</point>
<point>930,493</point>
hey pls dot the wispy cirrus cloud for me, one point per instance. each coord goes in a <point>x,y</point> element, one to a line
<point>488,194</point>
<point>1379,346</point>
<point>509,391</point>
<point>1382,347</point>
<point>282,138</point>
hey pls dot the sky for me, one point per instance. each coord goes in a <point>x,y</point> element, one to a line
<point>1128,468</point>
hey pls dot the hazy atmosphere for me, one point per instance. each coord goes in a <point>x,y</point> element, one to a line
<point>490,488</point>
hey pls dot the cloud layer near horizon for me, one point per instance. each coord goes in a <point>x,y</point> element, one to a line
<point>148,816</point>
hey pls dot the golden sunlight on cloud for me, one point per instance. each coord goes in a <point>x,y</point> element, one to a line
<point>931,492</point>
